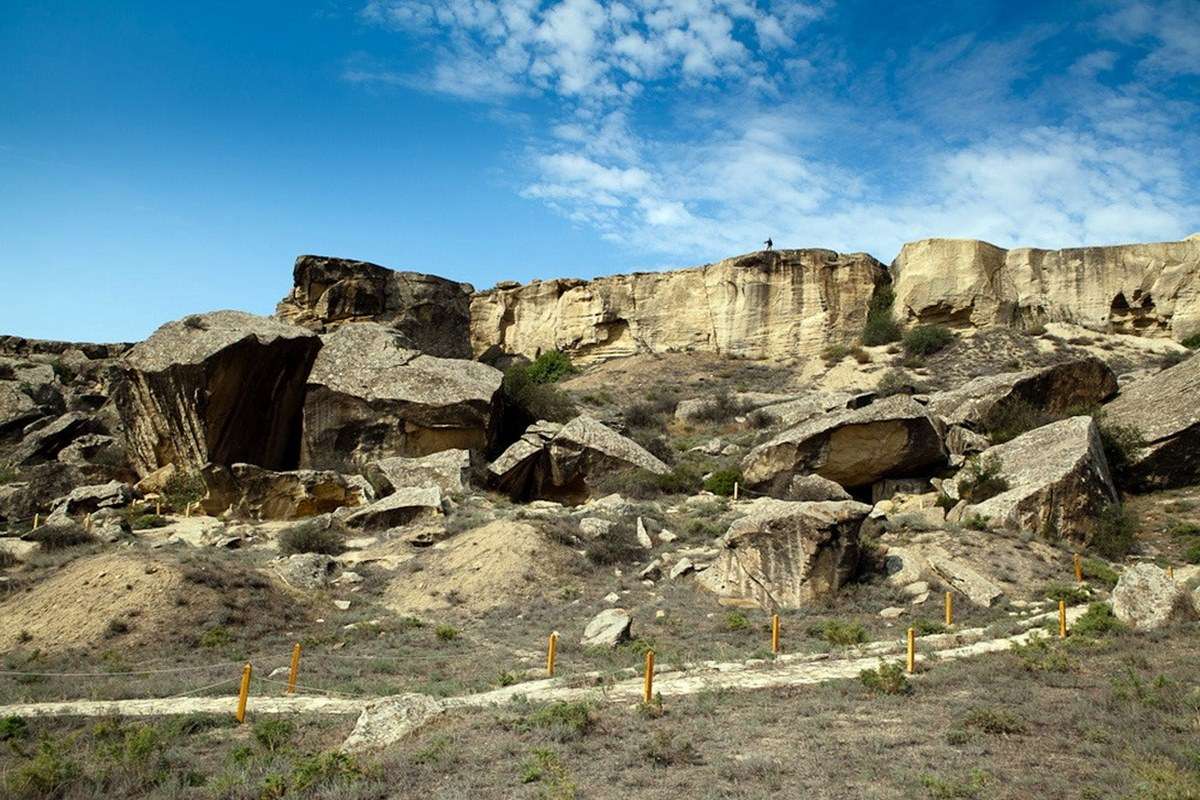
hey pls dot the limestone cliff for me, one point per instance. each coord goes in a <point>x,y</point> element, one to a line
<point>1146,289</point>
<point>766,304</point>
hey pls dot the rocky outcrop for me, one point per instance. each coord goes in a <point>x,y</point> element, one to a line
<point>1147,598</point>
<point>783,303</point>
<point>786,554</point>
<point>608,628</point>
<point>398,508</point>
<point>556,461</point>
<point>1058,481</point>
<point>448,470</point>
<point>370,396</point>
<point>251,492</point>
<point>1079,383</point>
<point>1164,410</point>
<point>1146,289</point>
<point>224,387</point>
<point>855,447</point>
<point>432,313</point>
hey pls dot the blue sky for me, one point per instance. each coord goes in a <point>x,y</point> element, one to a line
<point>161,159</point>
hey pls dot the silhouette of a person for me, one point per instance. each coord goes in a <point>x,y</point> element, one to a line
<point>769,243</point>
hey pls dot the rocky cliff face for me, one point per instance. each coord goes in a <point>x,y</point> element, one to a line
<point>431,312</point>
<point>761,305</point>
<point>1145,289</point>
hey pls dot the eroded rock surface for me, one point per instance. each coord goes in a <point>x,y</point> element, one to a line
<point>855,447</point>
<point>224,387</point>
<point>787,554</point>
<point>1147,598</point>
<point>1165,410</point>
<point>780,303</point>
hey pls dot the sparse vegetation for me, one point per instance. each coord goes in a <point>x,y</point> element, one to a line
<point>1099,620</point>
<point>981,479</point>
<point>925,340</point>
<point>60,536</point>
<point>886,679</point>
<point>184,488</point>
<point>994,721</point>
<point>312,536</point>
<point>838,632</point>
<point>530,388</point>
<point>897,381</point>
<point>721,481</point>
<point>880,327</point>
<point>1115,532</point>
<point>1192,342</point>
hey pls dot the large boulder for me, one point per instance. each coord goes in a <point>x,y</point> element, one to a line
<point>1163,408</point>
<point>448,470</point>
<point>370,396</point>
<point>1057,476</point>
<point>854,447</point>
<point>224,387</point>
<point>608,628</point>
<point>1147,598</point>
<point>432,313</point>
<point>397,509</point>
<point>787,554</point>
<point>1079,383</point>
<point>550,460</point>
<point>252,492</point>
<point>17,408</point>
<point>88,499</point>
<point>45,441</point>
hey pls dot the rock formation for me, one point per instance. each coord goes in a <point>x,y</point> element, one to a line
<point>1165,410</point>
<point>855,447</point>
<point>782,303</point>
<point>1146,289</point>
<point>223,387</point>
<point>787,554</point>
<point>1147,598</point>
<point>1058,481</point>
<point>431,312</point>
<point>369,396</point>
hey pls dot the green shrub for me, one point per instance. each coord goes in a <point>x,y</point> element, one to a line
<point>839,633</point>
<point>722,481</point>
<point>925,340</point>
<point>60,536</point>
<point>736,621</point>
<point>563,721</point>
<point>323,768</point>
<point>550,367</point>
<point>1191,553</point>
<point>664,750</point>
<point>994,721</point>
<point>618,546</point>
<point>184,488</point>
<point>880,326</point>
<point>1097,571</point>
<point>537,400</point>
<point>311,537</point>
<point>1041,654</point>
<point>897,381</point>
<point>1121,444</point>
<point>642,415</point>
<point>977,522</point>
<point>8,475</point>
<point>1192,342</point>
<point>981,480</point>
<point>1097,621</point>
<point>1184,530</point>
<point>926,627</point>
<point>7,560</point>
<point>682,479</point>
<point>1006,421</point>
<point>1070,593</point>
<point>447,633</point>
<point>49,774</point>
<point>1115,532</point>
<point>274,734</point>
<point>216,636</point>
<point>723,408</point>
<point>834,353</point>
<point>13,729</point>
<point>886,679</point>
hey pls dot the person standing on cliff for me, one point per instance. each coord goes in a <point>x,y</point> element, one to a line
<point>769,243</point>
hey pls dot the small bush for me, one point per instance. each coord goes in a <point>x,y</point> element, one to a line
<point>1121,444</point>
<point>834,353</point>
<point>664,750</point>
<point>840,633</point>
<point>1097,621</point>
<point>1006,421</point>
<point>1099,572</point>
<point>886,679</point>
<point>536,399</point>
<point>184,488</point>
<point>736,621</point>
<point>1184,530</point>
<point>447,633</point>
<point>982,480</point>
<point>324,768</point>
<point>925,340</point>
<point>551,367</point>
<point>976,522</point>
<point>1192,342</point>
<point>562,721</point>
<point>618,546</point>
<point>60,536</point>
<point>13,729</point>
<point>1115,532</point>
<point>722,481</point>
<point>216,636</point>
<point>311,537</point>
<point>274,734</point>
<point>682,479</point>
<point>49,774</point>
<point>7,560</point>
<point>8,475</point>
<point>880,327</point>
<point>1040,654</point>
<point>1073,595</point>
<point>115,628</point>
<point>897,381</point>
<point>1191,553</point>
<point>925,627</point>
<point>723,408</point>
<point>994,721</point>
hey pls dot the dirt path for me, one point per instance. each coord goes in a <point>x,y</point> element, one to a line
<point>384,720</point>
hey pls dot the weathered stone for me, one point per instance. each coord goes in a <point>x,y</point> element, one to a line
<point>888,488</point>
<point>782,303</point>
<point>787,554</point>
<point>385,722</point>
<point>45,442</point>
<point>448,470</point>
<point>1058,480</point>
<point>906,564</point>
<point>1146,598</point>
<point>1146,289</point>
<point>608,628</point>
<point>680,568</point>
<point>855,447</point>
<point>89,499</point>
<point>962,441</point>
<point>432,313</point>
<point>1054,389</point>
<point>643,536</point>
<point>814,488</point>
<point>1164,410</point>
<point>397,509</point>
<point>306,570</point>
<point>17,408</point>
<point>557,461</point>
<point>594,527</point>
<point>223,388</point>
<point>652,571</point>
<point>195,531</point>
<point>370,397</point>
<point>264,494</point>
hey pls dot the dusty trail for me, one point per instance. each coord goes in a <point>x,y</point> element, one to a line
<point>383,720</point>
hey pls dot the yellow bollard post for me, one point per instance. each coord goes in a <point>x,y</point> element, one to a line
<point>36,518</point>
<point>551,653</point>
<point>1078,569</point>
<point>87,523</point>
<point>1062,619</point>
<point>158,508</point>
<point>648,683</point>
<point>294,672</point>
<point>1170,572</point>
<point>949,609</point>
<point>912,650</point>
<point>187,510</point>
<point>735,490</point>
<point>775,634</point>
<point>243,694</point>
